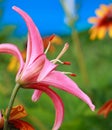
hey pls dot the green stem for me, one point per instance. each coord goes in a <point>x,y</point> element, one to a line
<point>11,102</point>
<point>80,57</point>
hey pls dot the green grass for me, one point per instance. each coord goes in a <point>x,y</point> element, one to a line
<point>98,58</point>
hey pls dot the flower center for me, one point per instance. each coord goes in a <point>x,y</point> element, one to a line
<point>107,19</point>
<point>57,59</point>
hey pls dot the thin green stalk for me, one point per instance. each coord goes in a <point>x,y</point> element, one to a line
<point>80,57</point>
<point>10,105</point>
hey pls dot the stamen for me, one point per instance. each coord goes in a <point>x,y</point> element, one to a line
<point>56,60</point>
<point>69,73</point>
<point>73,75</point>
<point>49,39</point>
<point>64,63</point>
<point>67,63</point>
<point>47,47</point>
<point>65,48</point>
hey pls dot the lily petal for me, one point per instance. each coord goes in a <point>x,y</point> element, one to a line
<point>12,49</point>
<point>36,95</point>
<point>32,70</point>
<point>60,81</point>
<point>35,43</point>
<point>47,68</point>
<point>57,103</point>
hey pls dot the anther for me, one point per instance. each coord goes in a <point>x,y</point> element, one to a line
<point>69,73</point>
<point>61,62</point>
<point>65,48</point>
<point>73,75</point>
<point>67,63</point>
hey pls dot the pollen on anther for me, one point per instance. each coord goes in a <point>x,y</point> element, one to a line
<point>73,75</point>
<point>67,63</point>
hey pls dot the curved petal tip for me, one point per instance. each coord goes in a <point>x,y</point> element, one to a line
<point>13,7</point>
<point>92,107</point>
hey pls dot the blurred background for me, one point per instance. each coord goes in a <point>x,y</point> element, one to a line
<point>48,15</point>
<point>91,61</point>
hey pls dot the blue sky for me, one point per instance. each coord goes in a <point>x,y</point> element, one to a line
<point>48,15</point>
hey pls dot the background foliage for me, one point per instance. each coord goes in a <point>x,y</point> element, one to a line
<point>97,55</point>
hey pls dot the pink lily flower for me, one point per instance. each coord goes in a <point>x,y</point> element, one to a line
<point>38,73</point>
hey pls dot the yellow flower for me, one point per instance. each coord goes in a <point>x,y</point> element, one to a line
<point>14,64</point>
<point>102,23</point>
<point>15,121</point>
<point>54,40</point>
